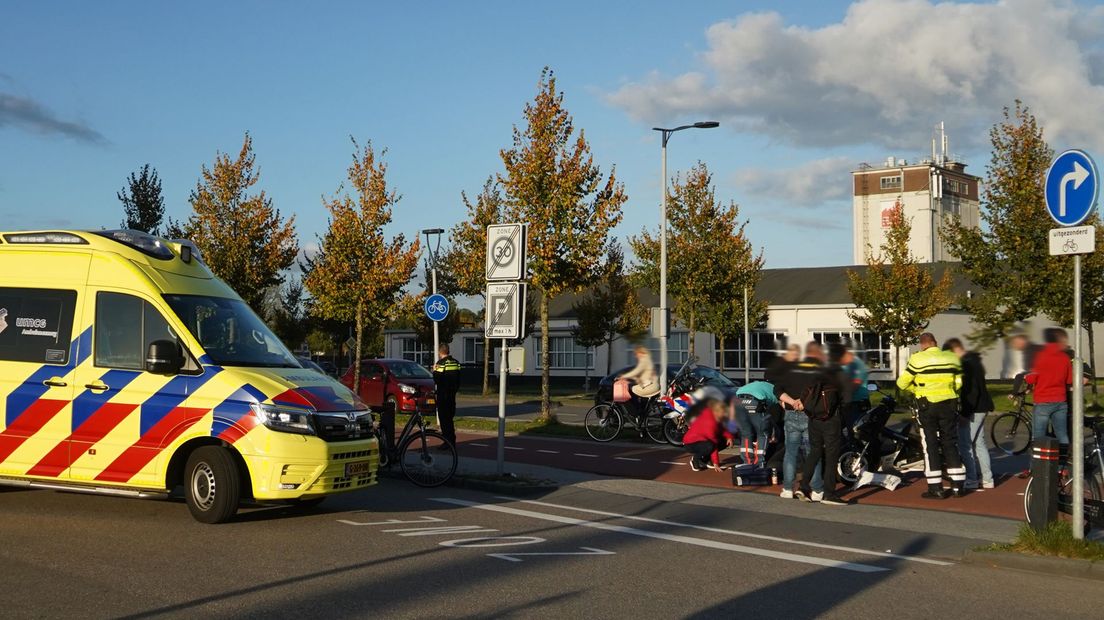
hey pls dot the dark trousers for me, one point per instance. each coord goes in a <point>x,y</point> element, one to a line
<point>939,434</point>
<point>824,446</point>
<point>701,451</point>
<point>446,414</point>
<point>387,428</point>
<point>852,411</point>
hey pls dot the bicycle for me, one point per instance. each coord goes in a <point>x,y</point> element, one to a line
<point>425,456</point>
<point>604,421</point>
<point>1094,482</point>
<point>1011,432</point>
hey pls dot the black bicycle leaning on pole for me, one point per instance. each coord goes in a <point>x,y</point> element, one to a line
<point>1011,432</point>
<point>425,456</point>
<point>1094,482</point>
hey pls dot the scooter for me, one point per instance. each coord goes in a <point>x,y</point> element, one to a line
<point>874,447</point>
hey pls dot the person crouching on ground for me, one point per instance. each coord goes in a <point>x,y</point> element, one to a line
<point>707,436</point>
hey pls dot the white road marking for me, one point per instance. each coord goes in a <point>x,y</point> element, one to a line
<point>689,540</point>
<point>516,557</point>
<point>589,456</point>
<point>549,451</point>
<point>394,521</point>
<point>512,448</point>
<point>441,530</point>
<point>672,462</point>
<point>625,458</point>
<point>478,445</point>
<point>717,530</point>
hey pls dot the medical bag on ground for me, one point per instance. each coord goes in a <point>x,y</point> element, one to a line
<point>750,475</point>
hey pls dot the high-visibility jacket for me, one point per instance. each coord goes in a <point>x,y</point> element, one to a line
<point>446,374</point>
<point>932,374</point>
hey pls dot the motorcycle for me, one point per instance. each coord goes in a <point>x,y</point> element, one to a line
<point>874,447</point>
<point>677,406</point>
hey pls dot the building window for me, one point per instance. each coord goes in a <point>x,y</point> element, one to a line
<point>956,186</point>
<point>678,349</point>
<point>871,348</point>
<point>413,351</point>
<point>473,350</point>
<point>765,347</point>
<point>893,182</point>
<point>565,353</point>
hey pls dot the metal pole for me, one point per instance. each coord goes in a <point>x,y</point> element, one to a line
<point>663,274</point>
<point>436,331</point>
<point>1078,438</point>
<point>747,340</point>
<point>501,455</point>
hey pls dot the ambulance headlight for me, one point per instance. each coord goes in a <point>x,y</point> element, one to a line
<point>284,419</point>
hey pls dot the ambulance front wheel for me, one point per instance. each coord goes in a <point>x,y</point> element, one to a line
<point>212,485</point>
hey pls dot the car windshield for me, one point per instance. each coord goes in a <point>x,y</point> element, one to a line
<point>230,333</point>
<point>408,370</point>
<point>713,377</point>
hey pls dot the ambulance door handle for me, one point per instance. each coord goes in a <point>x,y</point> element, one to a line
<point>54,382</point>
<point>98,386</point>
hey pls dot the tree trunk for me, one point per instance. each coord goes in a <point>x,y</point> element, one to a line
<point>486,366</point>
<point>721,339</point>
<point>689,337</point>
<point>546,359</point>
<point>609,356</point>
<point>356,348</point>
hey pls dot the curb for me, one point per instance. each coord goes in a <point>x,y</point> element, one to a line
<point>1083,569</point>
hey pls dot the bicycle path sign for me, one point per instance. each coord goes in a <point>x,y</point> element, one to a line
<point>506,252</point>
<point>1072,185</point>
<point>436,307</point>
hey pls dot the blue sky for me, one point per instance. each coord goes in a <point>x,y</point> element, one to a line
<point>804,91</point>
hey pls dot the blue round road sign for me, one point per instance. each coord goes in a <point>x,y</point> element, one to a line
<point>436,307</point>
<point>1072,184</point>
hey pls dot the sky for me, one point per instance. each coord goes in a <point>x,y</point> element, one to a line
<point>804,91</point>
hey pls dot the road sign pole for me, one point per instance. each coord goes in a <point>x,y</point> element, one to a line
<point>1078,438</point>
<point>501,453</point>
<point>436,331</point>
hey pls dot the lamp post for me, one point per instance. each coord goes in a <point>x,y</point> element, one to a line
<point>664,312</point>
<point>432,251</point>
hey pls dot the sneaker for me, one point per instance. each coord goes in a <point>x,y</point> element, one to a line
<point>987,485</point>
<point>934,494</point>
<point>957,492</point>
<point>970,485</point>
<point>817,496</point>
<point>800,495</point>
<point>695,465</point>
<point>833,500</point>
<point>788,494</point>
<point>713,467</point>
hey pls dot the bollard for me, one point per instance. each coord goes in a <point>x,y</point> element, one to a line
<point>1042,508</point>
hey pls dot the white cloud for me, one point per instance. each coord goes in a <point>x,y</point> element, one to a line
<point>807,185</point>
<point>890,70</point>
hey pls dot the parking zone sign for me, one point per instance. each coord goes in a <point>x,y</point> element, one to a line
<point>505,310</point>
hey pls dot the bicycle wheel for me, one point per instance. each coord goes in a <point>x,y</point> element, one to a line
<point>428,459</point>
<point>384,450</point>
<point>1092,491</point>
<point>1011,433</point>
<point>674,430</point>
<point>603,422</point>
<point>653,428</point>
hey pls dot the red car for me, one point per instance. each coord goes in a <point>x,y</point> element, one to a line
<point>399,383</point>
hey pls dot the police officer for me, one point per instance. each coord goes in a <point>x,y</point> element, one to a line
<point>446,374</point>
<point>934,377</point>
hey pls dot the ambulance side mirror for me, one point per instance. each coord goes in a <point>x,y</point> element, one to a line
<point>164,357</point>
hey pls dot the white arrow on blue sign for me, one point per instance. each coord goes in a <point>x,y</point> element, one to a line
<point>436,307</point>
<point>1072,184</point>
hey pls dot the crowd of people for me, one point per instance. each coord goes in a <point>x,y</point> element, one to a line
<point>807,405</point>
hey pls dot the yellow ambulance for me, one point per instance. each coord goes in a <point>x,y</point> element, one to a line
<point>127,368</point>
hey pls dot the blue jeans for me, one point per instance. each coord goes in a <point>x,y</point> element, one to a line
<point>968,429</point>
<point>797,435</point>
<point>1055,415</point>
<point>754,428</point>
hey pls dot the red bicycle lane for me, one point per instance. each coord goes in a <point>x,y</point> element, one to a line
<point>670,464</point>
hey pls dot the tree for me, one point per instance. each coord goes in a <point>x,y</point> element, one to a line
<point>612,309</point>
<point>1008,258</point>
<point>465,259</point>
<point>241,237</point>
<point>286,313</point>
<point>143,203</point>
<point>897,296</point>
<point>709,257</point>
<point>552,183</point>
<point>357,274</point>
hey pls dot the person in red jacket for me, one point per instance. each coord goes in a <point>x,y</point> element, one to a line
<point>707,436</point>
<point>1051,376</point>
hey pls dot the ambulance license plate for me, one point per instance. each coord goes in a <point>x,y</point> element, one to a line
<point>358,468</point>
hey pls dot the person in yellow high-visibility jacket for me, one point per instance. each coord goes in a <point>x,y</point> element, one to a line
<point>934,377</point>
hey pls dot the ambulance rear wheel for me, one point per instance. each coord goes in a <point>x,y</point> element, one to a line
<point>212,485</point>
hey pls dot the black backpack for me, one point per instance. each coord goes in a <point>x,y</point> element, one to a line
<point>822,399</point>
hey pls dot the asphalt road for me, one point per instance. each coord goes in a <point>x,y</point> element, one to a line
<point>399,551</point>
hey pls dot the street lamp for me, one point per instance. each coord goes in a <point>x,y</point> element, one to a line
<point>432,252</point>
<point>663,310</point>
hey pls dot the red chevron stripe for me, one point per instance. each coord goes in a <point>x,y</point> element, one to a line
<point>148,446</point>
<point>94,429</point>
<point>30,422</point>
<point>238,429</point>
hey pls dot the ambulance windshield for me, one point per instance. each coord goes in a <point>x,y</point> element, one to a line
<point>230,333</point>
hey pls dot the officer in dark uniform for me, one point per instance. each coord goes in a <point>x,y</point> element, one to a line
<point>446,374</point>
